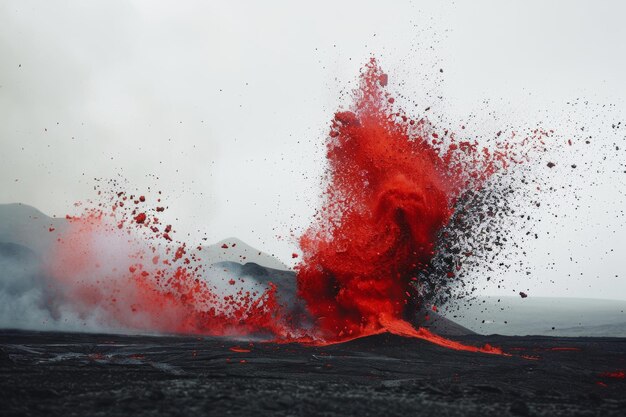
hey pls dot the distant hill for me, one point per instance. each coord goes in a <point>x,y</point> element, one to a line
<point>545,316</point>
<point>26,226</point>
<point>235,250</point>
<point>438,323</point>
<point>29,227</point>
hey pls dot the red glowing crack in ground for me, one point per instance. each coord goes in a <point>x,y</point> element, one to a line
<point>390,188</point>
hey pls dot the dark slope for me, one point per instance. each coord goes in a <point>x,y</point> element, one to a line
<point>26,226</point>
<point>80,374</point>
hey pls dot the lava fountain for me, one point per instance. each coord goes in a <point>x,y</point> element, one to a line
<point>391,187</point>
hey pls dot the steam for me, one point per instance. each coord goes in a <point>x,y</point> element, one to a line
<point>83,283</point>
<point>29,299</point>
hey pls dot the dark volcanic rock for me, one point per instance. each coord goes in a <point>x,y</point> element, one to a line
<point>97,375</point>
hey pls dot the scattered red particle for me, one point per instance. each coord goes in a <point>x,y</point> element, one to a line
<point>523,294</point>
<point>140,218</point>
<point>160,209</point>
<point>565,349</point>
<point>602,384</point>
<point>142,198</point>
<point>231,282</point>
<point>294,255</point>
<point>224,246</point>
<point>52,229</point>
<point>167,237</point>
<point>180,252</point>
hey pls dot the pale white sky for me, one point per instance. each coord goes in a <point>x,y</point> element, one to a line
<point>224,107</point>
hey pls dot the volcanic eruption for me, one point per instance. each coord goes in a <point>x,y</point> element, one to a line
<point>392,186</point>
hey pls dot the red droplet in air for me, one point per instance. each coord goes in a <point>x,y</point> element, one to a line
<point>224,246</point>
<point>294,255</point>
<point>142,198</point>
<point>140,218</point>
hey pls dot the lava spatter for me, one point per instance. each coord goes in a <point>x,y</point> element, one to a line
<point>391,188</point>
<point>117,264</point>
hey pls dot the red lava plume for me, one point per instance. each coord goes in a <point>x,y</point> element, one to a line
<point>391,187</point>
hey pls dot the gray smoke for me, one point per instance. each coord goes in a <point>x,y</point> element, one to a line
<point>31,299</point>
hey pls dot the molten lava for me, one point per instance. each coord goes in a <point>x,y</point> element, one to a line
<point>391,187</point>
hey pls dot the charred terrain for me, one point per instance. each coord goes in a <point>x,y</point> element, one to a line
<point>95,374</point>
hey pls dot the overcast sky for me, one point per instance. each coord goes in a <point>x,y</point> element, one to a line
<point>224,106</point>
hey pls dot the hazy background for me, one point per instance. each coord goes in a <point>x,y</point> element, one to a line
<point>224,106</point>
